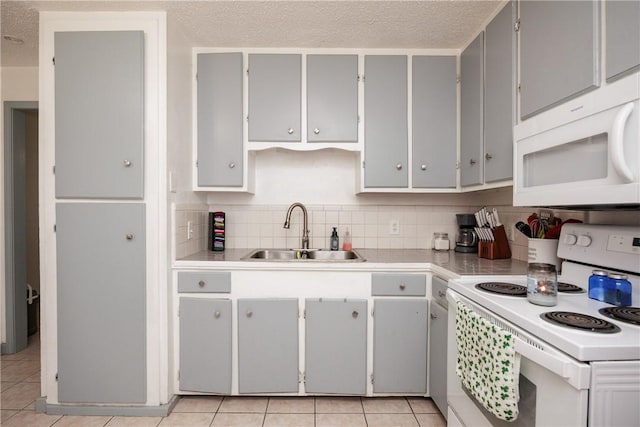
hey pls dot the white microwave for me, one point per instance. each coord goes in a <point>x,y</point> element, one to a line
<point>584,153</point>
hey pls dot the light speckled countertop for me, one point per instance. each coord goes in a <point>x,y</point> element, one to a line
<point>447,263</point>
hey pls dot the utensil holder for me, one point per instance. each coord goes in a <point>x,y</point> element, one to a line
<point>498,249</point>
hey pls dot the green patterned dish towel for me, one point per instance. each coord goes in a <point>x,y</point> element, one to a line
<point>488,364</point>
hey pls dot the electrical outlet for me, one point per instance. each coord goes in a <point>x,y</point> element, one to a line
<point>189,230</point>
<point>394,227</point>
<point>511,233</point>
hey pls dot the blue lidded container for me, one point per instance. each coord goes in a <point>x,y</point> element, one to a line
<point>617,290</point>
<point>597,283</point>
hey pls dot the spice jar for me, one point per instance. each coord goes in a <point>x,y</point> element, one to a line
<point>542,284</point>
<point>617,290</point>
<point>441,241</point>
<point>597,282</point>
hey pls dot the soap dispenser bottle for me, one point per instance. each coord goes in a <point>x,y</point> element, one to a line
<point>346,241</point>
<point>335,243</point>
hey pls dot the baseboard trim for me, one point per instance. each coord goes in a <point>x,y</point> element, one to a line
<point>111,410</point>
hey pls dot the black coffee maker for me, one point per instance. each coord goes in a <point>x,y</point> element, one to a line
<point>466,240</point>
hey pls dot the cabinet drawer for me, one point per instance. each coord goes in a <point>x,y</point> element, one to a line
<point>439,290</point>
<point>204,281</point>
<point>398,284</point>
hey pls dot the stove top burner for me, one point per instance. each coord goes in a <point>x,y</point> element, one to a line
<point>503,288</point>
<point>580,321</point>
<point>569,288</point>
<point>623,314</point>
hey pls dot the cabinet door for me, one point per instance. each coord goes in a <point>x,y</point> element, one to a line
<point>434,121</point>
<point>438,356</point>
<point>332,98</point>
<point>400,346</point>
<point>558,52</point>
<point>499,96</point>
<point>385,126</point>
<point>220,145</point>
<point>99,115</point>
<point>101,302</point>
<point>336,346</point>
<point>623,37</point>
<point>471,109</point>
<point>205,345</point>
<point>274,97</point>
<point>268,345</point>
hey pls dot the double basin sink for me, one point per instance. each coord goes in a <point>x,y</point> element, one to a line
<point>304,255</point>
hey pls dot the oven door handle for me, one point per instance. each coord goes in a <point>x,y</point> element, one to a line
<point>577,374</point>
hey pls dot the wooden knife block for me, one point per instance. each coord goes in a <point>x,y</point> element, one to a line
<point>498,249</point>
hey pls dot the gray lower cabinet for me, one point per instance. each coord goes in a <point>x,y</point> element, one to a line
<point>220,122</point>
<point>622,38</point>
<point>332,98</point>
<point>438,356</point>
<point>205,345</point>
<point>500,95</point>
<point>99,114</point>
<point>385,125</point>
<point>101,302</point>
<point>400,332</point>
<point>275,97</point>
<point>471,112</point>
<point>336,346</point>
<point>559,52</point>
<point>434,121</point>
<point>268,346</point>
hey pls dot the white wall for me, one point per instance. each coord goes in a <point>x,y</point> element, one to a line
<point>16,84</point>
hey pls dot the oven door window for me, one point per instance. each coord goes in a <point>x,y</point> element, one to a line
<point>526,407</point>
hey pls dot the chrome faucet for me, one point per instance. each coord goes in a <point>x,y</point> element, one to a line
<point>305,230</point>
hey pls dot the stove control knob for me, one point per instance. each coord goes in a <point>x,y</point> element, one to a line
<point>584,240</point>
<point>570,239</point>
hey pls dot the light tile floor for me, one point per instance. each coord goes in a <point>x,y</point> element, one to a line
<point>20,375</point>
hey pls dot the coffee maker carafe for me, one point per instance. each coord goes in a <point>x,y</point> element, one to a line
<point>466,240</point>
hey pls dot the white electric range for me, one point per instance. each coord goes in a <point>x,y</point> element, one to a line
<point>582,375</point>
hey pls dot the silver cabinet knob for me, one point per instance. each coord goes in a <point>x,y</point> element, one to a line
<point>249,313</point>
<point>402,286</point>
<point>316,131</point>
<point>201,283</point>
<point>232,165</point>
<point>434,316</point>
<point>129,236</point>
<point>290,131</point>
<point>442,294</point>
<point>127,163</point>
<point>216,314</point>
<point>488,156</point>
<point>472,162</point>
<point>399,166</point>
<point>423,167</point>
<point>355,314</point>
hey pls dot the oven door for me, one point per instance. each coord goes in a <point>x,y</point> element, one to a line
<point>553,386</point>
<point>582,153</point>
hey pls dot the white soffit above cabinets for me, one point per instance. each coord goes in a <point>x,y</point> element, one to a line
<point>435,24</point>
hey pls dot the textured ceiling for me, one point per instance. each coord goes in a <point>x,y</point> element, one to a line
<point>439,24</point>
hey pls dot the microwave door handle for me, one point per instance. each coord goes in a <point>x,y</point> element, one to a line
<point>616,147</point>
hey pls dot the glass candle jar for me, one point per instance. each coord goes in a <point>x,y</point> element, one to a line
<point>441,241</point>
<point>542,284</point>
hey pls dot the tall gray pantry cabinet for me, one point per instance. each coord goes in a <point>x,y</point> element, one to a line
<point>100,244</point>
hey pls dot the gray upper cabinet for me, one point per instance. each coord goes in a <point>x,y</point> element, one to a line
<point>268,345</point>
<point>336,346</point>
<point>99,116</point>
<point>559,52</point>
<point>499,96</point>
<point>622,38</point>
<point>205,345</point>
<point>101,302</point>
<point>275,97</point>
<point>471,112</point>
<point>385,126</point>
<point>220,140</point>
<point>434,121</point>
<point>332,98</point>
<point>400,346</point>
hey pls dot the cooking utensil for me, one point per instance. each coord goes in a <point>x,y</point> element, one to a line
<point>524,229</point>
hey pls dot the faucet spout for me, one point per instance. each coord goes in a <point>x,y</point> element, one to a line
<point>305,229</point>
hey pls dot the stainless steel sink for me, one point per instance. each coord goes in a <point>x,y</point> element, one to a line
<point>303,255</point>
